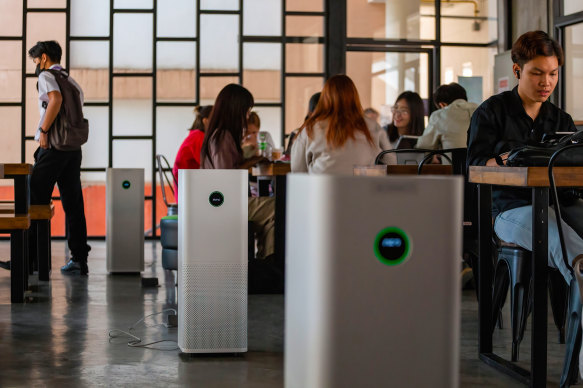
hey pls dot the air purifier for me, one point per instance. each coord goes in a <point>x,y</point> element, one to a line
<point>124,213</point>
<point>212,261</point>
<point>372,281</point>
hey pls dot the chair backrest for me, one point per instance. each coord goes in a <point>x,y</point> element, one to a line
<point>163,168</point>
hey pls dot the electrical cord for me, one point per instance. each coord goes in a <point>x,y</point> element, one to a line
<point>135,341</point>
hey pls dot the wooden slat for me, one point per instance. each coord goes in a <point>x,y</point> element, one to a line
<point>17,169</point>
<point>7,208</point>
<point>1,171</point>
<point>41,212</point>
<point>526,176</point>
<point>271,169</point>
<point>13,222</point>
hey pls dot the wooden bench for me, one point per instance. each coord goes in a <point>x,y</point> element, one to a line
<point>17,225</point>
<point>40,236</point>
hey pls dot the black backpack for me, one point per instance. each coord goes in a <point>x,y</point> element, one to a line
<point>70,129</point>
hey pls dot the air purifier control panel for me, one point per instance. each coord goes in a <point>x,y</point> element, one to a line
<point>216,198</point>
<point>392,246</point>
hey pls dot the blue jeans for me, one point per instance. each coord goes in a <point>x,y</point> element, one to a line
<point>515,226</point>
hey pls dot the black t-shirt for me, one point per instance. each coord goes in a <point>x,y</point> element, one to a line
<point>501,124</point>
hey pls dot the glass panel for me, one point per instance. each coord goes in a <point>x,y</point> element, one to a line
<point>298,91</point>
<point>134,154</point>
<point>132,42</point>
<point>132,106</point>
<point>471,22</point>
<point>305,5</point>
<point>10,130</point>
<point>304,26</point>
<point>304,58</point>
<point>262,71</point>
<point>572,6</point>
<point>89,18</point>
<point>230,5</point>
<point>10,17</point>
<point>172,125</point>
<point>10,71</point>
<point>96,150</point>
<point>176,18</point>
<point>219,43</point>
<point>53,29</point>
<point>413,19</point>
<point>46,3</point>
<point>176,77</point>
<point>271,122</point>
<point>211,86</point>
<point>89,67</point>
<point>381,77</point>
<point>574,71</point>
<point>261,17</point>
<point>471,67</point>
<point>93,184</point>
<point>31,107</point>
<point>133,4</point>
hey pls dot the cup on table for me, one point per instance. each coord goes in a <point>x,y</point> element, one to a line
<point>374,170</point>
<point>276,153</point>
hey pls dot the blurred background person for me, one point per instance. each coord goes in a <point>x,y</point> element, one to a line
<point>408,117</point>
<point>372,114</point>
<point>311,107</point>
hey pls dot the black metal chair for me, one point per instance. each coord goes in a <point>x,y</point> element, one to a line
<point>169,223</point>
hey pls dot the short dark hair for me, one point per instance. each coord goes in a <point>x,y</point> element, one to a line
<point>49,47</point>
<point>534,43</point>
<point>449,93</point>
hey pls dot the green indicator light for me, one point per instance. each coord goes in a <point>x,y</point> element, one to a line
<point>392,246</point>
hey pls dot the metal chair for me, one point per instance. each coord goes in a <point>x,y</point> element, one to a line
<point>169,223</point>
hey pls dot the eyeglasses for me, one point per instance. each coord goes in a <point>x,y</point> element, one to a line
<point>402,112</point>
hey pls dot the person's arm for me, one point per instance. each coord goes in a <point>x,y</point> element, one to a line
<point>298,154</point>
<point>53,108</point>
<point>483,138</point>
<point>431,137</point>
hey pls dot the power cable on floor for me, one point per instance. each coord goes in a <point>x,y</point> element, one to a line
<point>135,341</point>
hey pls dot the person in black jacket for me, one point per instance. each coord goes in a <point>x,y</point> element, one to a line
<point>520,117</point>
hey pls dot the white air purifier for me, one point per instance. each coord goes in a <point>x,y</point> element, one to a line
<point>124,212</point>
<point>372,281</point>
<point>212,261</point>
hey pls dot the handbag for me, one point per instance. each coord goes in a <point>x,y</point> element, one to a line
<point>539,155</point>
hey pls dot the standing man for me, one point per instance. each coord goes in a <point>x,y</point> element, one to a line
<point>448,126</point>
<point>516,118</point>
<point>54,166</point>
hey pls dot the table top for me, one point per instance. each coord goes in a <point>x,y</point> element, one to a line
<point>271,169</point>
<point>526,176</point>
<point>11,169</point>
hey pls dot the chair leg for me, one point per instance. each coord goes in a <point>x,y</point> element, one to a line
<point>501,283</point>
<point>43,254</point>
<point>519,314</point>
<point>559,296</point>
<point>573,339</point>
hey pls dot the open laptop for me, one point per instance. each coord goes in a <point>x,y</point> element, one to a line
<point>407,142</point>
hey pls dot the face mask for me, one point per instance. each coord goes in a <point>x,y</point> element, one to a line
<point>38,70</point>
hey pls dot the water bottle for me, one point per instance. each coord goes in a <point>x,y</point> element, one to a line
<point>264,147</point>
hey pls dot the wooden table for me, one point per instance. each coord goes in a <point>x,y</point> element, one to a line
<point>278,171</point>
<point>535,178</point>
<point>17,225</point>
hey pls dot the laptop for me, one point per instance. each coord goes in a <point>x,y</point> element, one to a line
<point>407,142</point>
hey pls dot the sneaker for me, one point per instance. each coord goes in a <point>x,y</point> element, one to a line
<point>74,268</point>
<point>5,265</point>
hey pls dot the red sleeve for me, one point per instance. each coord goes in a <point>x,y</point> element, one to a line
<point>197,145</point>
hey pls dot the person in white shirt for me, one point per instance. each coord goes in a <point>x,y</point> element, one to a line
<point>55,166</point>
<point>448,126</point>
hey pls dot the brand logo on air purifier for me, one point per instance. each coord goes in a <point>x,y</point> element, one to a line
<point>216,198</point>
<point>126,184</point>
<point>392,246</point>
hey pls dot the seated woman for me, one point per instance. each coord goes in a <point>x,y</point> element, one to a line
<point>407,117</point>
<point>337,136</point>
<point>188,156</point>
<point>222,150</point>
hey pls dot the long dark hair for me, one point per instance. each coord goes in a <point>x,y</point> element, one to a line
<point>202,112</point>
<point>229,114</point>
<point>416,113</point>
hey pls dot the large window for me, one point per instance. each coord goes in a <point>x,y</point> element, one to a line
<point>144,66</point>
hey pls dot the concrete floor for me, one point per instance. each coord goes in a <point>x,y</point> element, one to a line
<point>59,338</point>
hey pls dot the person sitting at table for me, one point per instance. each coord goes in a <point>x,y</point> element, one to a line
<point>337,136</point>
<point>188,156</point>
<point>407,117</point>
<point>222,149</point>
<point>448,126</point>
<point>292,136</point>
<point>516,118</point>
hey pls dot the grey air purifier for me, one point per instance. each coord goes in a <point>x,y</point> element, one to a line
<point>372,281</point>
<point>124,235</point>
<point>212,261</point>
